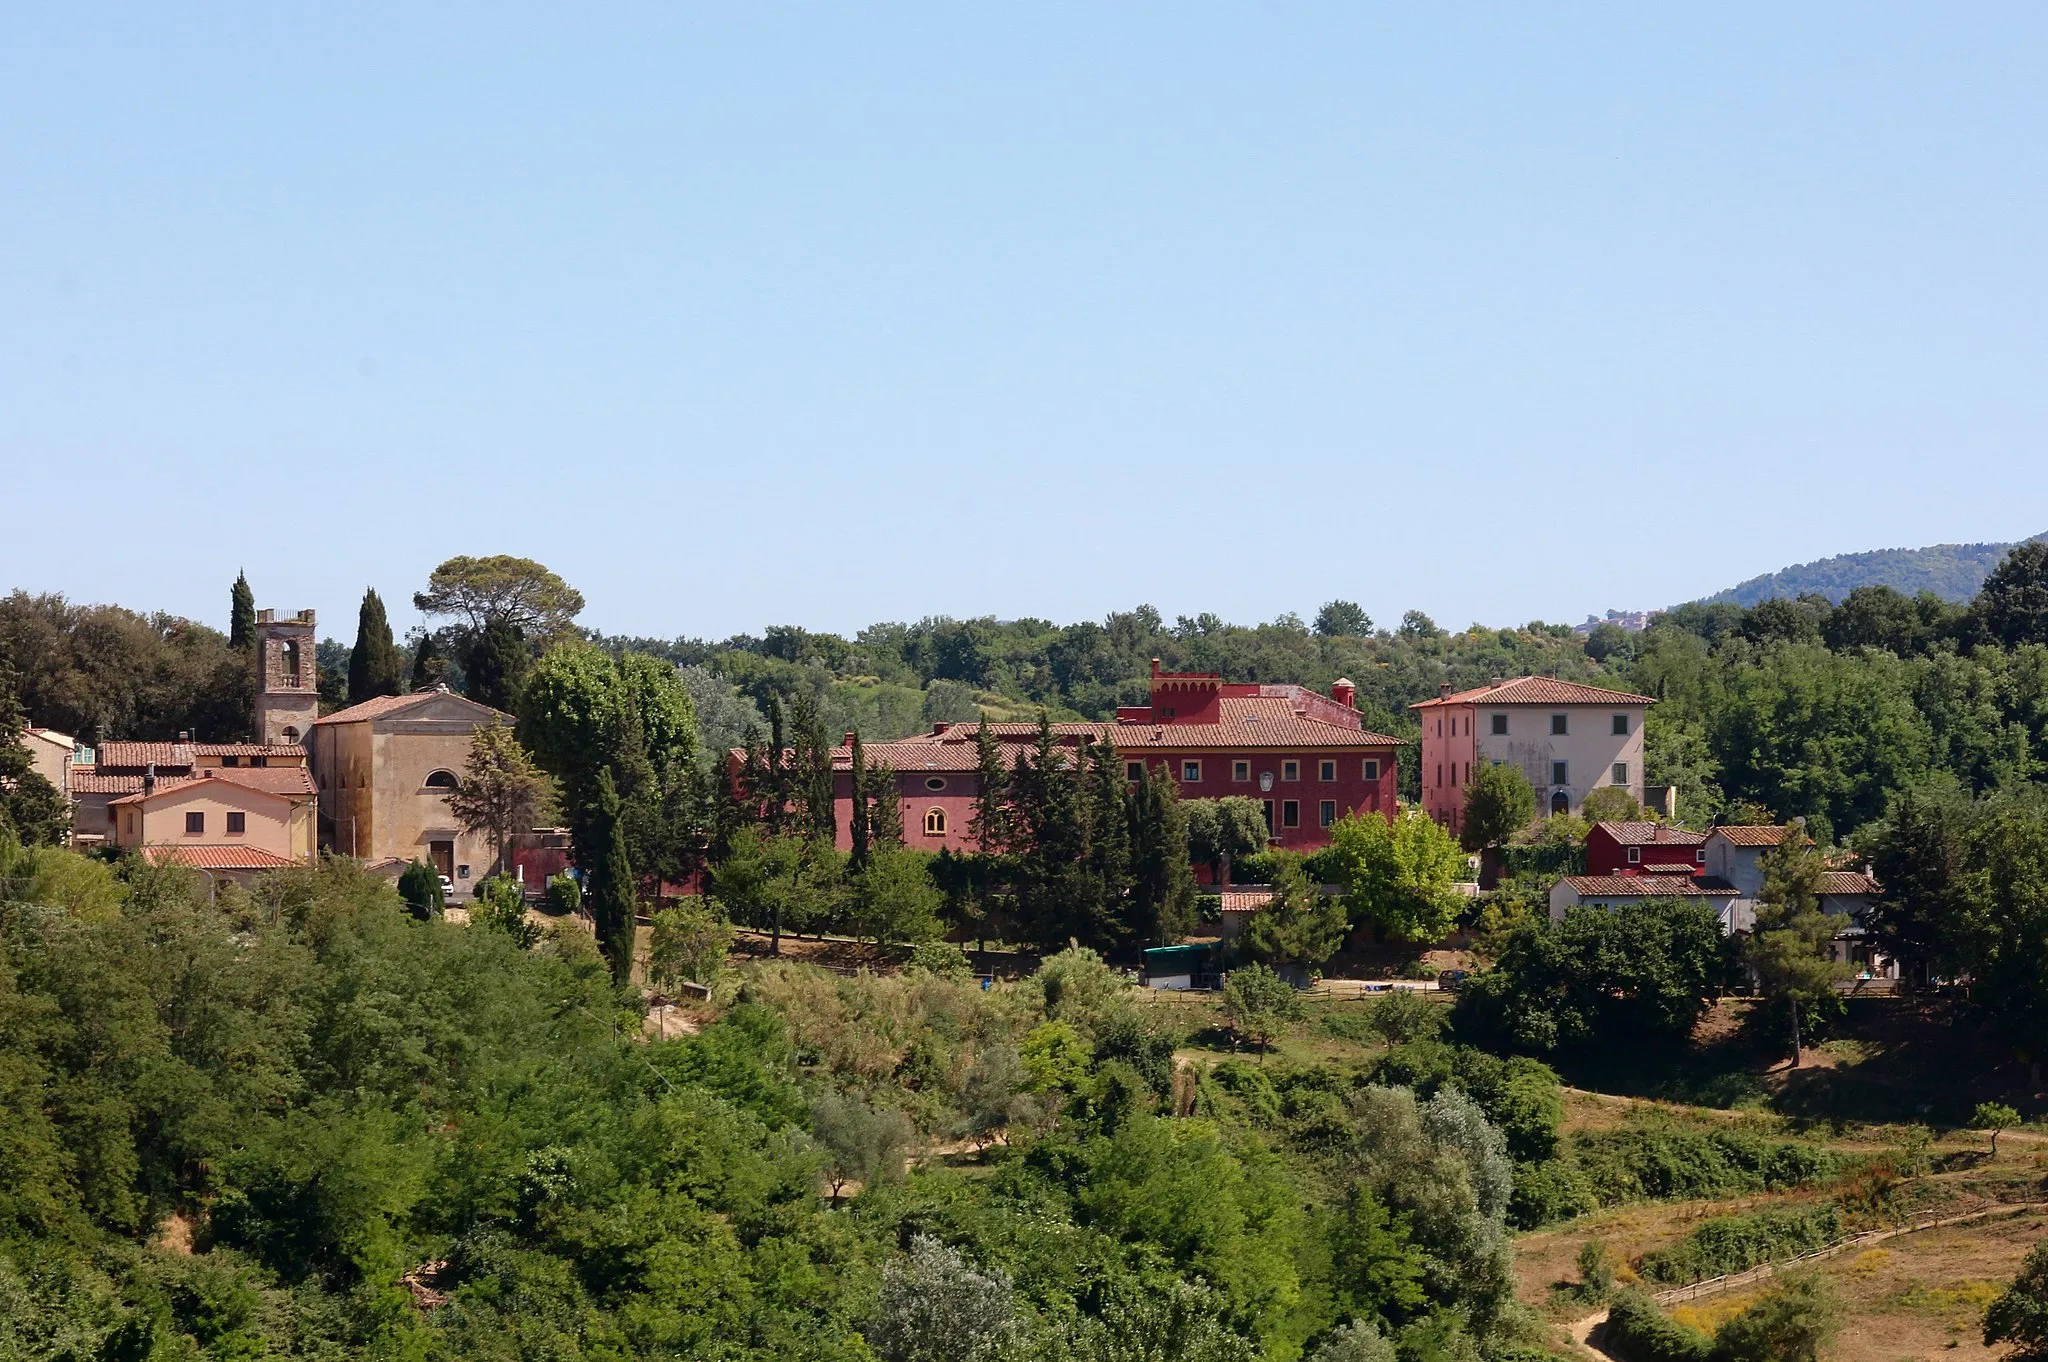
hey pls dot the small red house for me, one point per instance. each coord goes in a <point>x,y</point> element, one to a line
<point>1633,848</point>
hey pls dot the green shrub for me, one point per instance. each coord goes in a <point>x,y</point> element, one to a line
<point>420,887</point>
<point>1548,1192</point>
<point>1641,1163</point>
<point>564,896</point>
<point>1731,1243</point>
<point>1638,1330</point>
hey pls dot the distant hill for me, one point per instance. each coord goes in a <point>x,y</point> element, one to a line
<point>1951,571</point>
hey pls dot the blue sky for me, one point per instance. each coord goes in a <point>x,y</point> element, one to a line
<point>742,315</point>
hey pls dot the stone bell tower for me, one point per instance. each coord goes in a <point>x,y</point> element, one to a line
<point>287,678</point>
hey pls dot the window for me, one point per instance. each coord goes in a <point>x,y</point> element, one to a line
<point>256,761</point>
<point>1439,773</point>
<point>1290,770</point>
<point>1500,725</point>
<point>195,823</point>
<point>231,760</point>
<point>935,782</point>
<point>1560,773</point>
<point>935,822</point>
<point>291,735</point>
<point>1560,803</point>
<point>289,651</point>
<point>1240,770</point>
<point>1290,813</point>
<point>1326,770</point>
<point>1558,726</point>
<point>443,780</point>
<point>1371,769</point>
<point>1326,812</point>
<point>1266,807</point>
<point>1191,770</point>
<point>1635,855</point>
<point>1621,773</point>
<point>1621,725</point>
<point>1134,770</point>
<point>1699,856</point>
<point>238,823</point>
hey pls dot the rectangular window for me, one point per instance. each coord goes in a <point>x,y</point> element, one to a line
<point>1290,770</point>
<point>1290,813</point>
<point>1266,807</point>
<point>1326,812</point>
<point>1621,773</point>
<point>1326,770</point>
<point>1439,773</point>
<point>195,823</point>
<point>1191,770</point>
<point>1621,725</point>
<point>1500,725</point>
<point>1371,768</point>
<point>231,760</point>
<point>1560,773</point>
<point>1635,855</point>
<point>1240,770</point>
<point>238,823</point>
<point>259,761</point>
<point>1558,727</point>
<point>1134,770</point>
<point>1699,856</point>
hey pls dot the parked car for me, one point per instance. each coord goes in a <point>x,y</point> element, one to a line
<point>1451,980</point>
<point>447,889</point>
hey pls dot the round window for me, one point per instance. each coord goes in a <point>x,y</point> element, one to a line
<point>934,783</point>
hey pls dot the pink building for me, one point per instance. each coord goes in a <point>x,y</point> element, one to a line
<point>1307,758</point>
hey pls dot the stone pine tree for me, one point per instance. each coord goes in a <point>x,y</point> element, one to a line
<point>612,900</point>
<point>375,665</point>
<point>241,613</point>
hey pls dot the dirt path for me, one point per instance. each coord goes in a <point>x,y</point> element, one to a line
<point>1582,1334</point>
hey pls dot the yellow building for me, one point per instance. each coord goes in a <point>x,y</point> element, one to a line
<point>240,821</point>
<point>385,769</point>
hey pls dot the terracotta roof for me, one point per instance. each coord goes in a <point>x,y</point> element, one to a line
<point>1651,834</point>
<point>140,754</point>
<point>387,704</point>
<point>1846,882</point>
<point>1744,836</point>
<point>280,782</point>
<point>247,749</point>
<point>218,858</point>
<point>1245,900</point>
<point>87,780</point>
<point>1649,886</point>
<point>1249,721</point>
<point>1538,690</point>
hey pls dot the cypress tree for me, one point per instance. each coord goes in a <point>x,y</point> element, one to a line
<point>991,824</point>
<point>858,830</point>
<point>1163,881</point>
<point>885,816</point>
<point>494,665</point>
<point>778,770</point>
<point>1109,829</point>
<point>429,667</point>
<point>241,613</point>
<point>612,900</point>
<point>375,666</point>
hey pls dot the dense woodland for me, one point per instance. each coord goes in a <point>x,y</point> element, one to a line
<point>315,1118</point>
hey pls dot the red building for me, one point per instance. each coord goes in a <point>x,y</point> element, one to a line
<point>1636,848</point>
<point>1307,758</point>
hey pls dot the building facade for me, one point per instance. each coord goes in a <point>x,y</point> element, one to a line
<point>119,769</point>
<point>1568,739</point>
<point>1637,848</point>
<point>384,770</point>
<point>1306,758</point>
<point>237,819</point>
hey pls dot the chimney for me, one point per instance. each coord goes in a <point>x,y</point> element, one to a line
<point>1499,681</point>
<point>184,735</point>
<point>1155,668</point>
<point>1343,692</point>
<point>1443,690</point>
<point>940,728</point>
<point>149,778</point>
<point>849,738</point>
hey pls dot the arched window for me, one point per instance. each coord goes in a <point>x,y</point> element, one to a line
<point>291,734</point>
<point>1560,802</point>
<point>443,780</point>
<point>935,822</point>
<point>289,652</point>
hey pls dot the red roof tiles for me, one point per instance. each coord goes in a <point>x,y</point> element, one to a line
<point>1651,834</point>
<point>1649,887</point>
<point>1538,690</point>
<point>1744,836</point>
<point>1846,882</point>
<point>389,704</point>
<point>218,858</point>
<point>136,755</point>
<point>281,782</point>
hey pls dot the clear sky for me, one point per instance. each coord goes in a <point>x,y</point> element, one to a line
<point>749,314</point>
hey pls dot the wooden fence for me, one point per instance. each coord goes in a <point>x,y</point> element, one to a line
<point>1715,1285</point>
